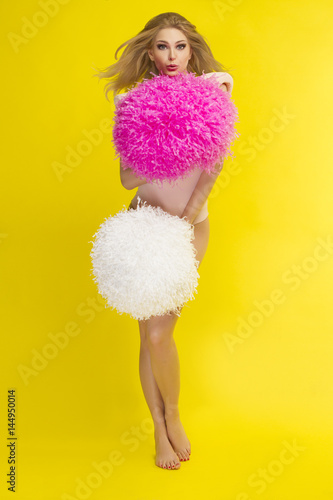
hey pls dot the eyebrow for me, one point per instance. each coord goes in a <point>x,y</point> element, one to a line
<point>167,42</point>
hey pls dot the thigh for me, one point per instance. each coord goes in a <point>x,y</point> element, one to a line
<point>201,238</point>
<point>167,322</point>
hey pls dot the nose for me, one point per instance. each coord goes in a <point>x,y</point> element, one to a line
<point>171,55</point>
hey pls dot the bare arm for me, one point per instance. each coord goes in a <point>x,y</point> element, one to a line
<point>200,194</point>
<point>204,186</point>
<point>202,189</point>
<point>128,178</point>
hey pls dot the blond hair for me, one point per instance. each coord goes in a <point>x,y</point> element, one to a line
<point>135,64</point>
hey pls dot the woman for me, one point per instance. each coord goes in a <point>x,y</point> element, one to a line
<point>168,44</point>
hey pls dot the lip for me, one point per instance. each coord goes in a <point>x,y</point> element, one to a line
<point>172,67</point>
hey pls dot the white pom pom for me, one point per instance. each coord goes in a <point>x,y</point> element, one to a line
<point>144,262</point>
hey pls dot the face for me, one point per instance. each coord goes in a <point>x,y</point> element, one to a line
<point>170,48</point>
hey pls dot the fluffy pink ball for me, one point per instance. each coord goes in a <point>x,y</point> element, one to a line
<point>166,126</point>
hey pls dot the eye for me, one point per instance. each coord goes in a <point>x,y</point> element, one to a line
<point>163,45</point>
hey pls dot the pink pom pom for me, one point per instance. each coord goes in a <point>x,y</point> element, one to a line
<point>167,126</point>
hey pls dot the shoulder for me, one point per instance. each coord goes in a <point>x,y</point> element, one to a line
<point>225,80</point>
<point>118,97</point>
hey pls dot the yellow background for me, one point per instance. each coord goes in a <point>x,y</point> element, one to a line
<point>245,397</point>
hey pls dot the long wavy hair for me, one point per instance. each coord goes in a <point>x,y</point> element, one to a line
<point>134,64</point>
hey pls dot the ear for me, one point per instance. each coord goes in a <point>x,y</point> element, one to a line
<point>150,55</point>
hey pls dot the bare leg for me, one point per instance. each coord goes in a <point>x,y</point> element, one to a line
<point>165,454</point>
<point>166,371</point>
<point>175,429</point>
<point>160,375</point>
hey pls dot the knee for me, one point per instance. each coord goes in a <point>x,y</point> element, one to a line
<point>158,337</point>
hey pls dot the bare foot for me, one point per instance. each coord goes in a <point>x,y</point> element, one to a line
<point>178,438</point>
<point>166,458</point>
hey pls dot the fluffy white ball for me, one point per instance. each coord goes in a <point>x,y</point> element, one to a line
<point>144,262</point>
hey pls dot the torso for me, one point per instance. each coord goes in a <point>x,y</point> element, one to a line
<point>172,198</point>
